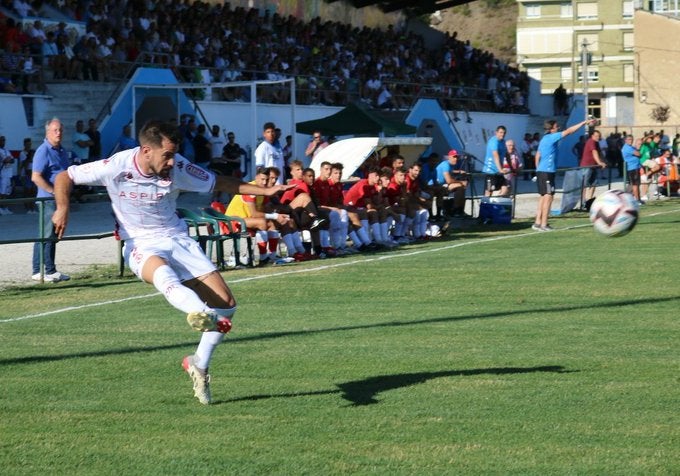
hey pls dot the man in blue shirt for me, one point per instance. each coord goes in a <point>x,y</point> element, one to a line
<point>631,157</point>
<point>49,160</point>
<point>546,166</point>
<point>495,182</point>
<point>453,182</point>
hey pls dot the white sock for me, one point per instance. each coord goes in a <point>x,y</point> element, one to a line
<point>179,296</point>
<point>210,340</point>
<point>206,346</point>
<point>423,222</point>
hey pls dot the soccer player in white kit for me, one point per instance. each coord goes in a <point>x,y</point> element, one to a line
<point>143,184</point>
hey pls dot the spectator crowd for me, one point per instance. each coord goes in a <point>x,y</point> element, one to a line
<point>331,62</point>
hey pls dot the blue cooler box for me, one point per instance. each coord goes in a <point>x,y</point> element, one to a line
<point>497,210</point>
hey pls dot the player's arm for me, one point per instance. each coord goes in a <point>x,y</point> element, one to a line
<point>575,127</point>
<point>235,186</point>
<point>497,161</point>
<point>537,159</point>
<point>598,160</point>
<point>63,184</point>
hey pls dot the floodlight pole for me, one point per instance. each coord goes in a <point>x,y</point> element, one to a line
<point>584,72</point>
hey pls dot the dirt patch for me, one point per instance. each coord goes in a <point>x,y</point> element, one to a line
<point>489,25</point>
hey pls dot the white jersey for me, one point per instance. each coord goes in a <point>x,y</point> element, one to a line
<point>144,205</point>
<point>216,146</point>
<point>267,155</point>
<point>7,170</point>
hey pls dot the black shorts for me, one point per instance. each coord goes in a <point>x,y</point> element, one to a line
<point>546,183</point>
<point>634,177</point>
<point>494,182</point>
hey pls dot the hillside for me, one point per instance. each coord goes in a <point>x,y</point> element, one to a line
<point>488,24</point>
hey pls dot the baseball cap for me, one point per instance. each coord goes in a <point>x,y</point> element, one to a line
<point>453,152</point>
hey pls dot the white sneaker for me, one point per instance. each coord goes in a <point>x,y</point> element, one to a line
<point>3,211</point>
<point>56,277</point>
<point>51,278</point>
<point>200,380</point>
<point>8,211</point>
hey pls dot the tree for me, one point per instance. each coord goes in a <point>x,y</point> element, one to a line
<point>661,113</point>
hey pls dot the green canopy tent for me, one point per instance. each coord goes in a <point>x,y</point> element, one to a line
<point>356,120</point>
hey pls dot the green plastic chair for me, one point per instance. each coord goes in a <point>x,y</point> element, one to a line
<point>233,234</point>
<point>206,231</point>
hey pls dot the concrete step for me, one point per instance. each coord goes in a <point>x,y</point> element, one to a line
<point>72,101</point>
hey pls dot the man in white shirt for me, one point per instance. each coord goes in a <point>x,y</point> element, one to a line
<point>7,171</point>
<point>143,184</point>
<point>217,143</point>
<point>267,154</point>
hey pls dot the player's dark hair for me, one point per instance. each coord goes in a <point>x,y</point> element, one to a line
<point>549,124</point>
<point>153,132</point>
<point>268,125</point>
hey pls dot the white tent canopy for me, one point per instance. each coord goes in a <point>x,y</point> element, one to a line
<point>351,153</point>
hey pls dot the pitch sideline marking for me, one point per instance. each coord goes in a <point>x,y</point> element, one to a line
<point>317,268</point>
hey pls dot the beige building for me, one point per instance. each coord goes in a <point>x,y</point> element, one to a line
<point>657,66</point>
<point>554,35</point>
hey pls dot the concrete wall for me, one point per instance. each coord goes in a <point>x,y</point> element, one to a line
<point>657,63</point>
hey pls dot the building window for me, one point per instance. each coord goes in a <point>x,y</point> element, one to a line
<point>592,39</point>
<point>565,73</point>
<point>593,75</point>
<point>534,73</point>
<point>628,73</point>
<point>533,10</point>
<point>586,11</point>
<point>628,9</point>
<point>628,41</point>
<point>566,10</point>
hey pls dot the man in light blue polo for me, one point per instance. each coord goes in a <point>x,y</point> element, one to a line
<point>546,166</point>
<point>49,160</point>
<point>495,182</point>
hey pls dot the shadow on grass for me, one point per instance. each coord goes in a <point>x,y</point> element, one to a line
<point>364,392</point>
<point>399,323</point>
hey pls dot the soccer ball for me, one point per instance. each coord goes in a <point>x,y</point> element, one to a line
<point>614,213</point>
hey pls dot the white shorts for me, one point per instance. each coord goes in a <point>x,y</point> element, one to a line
<point>182,253</point>
<point>5,185</point>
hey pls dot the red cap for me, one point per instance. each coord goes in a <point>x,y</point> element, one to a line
<point>453,152</point>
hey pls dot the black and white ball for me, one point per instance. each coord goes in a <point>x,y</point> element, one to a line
<point>614,213</point>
